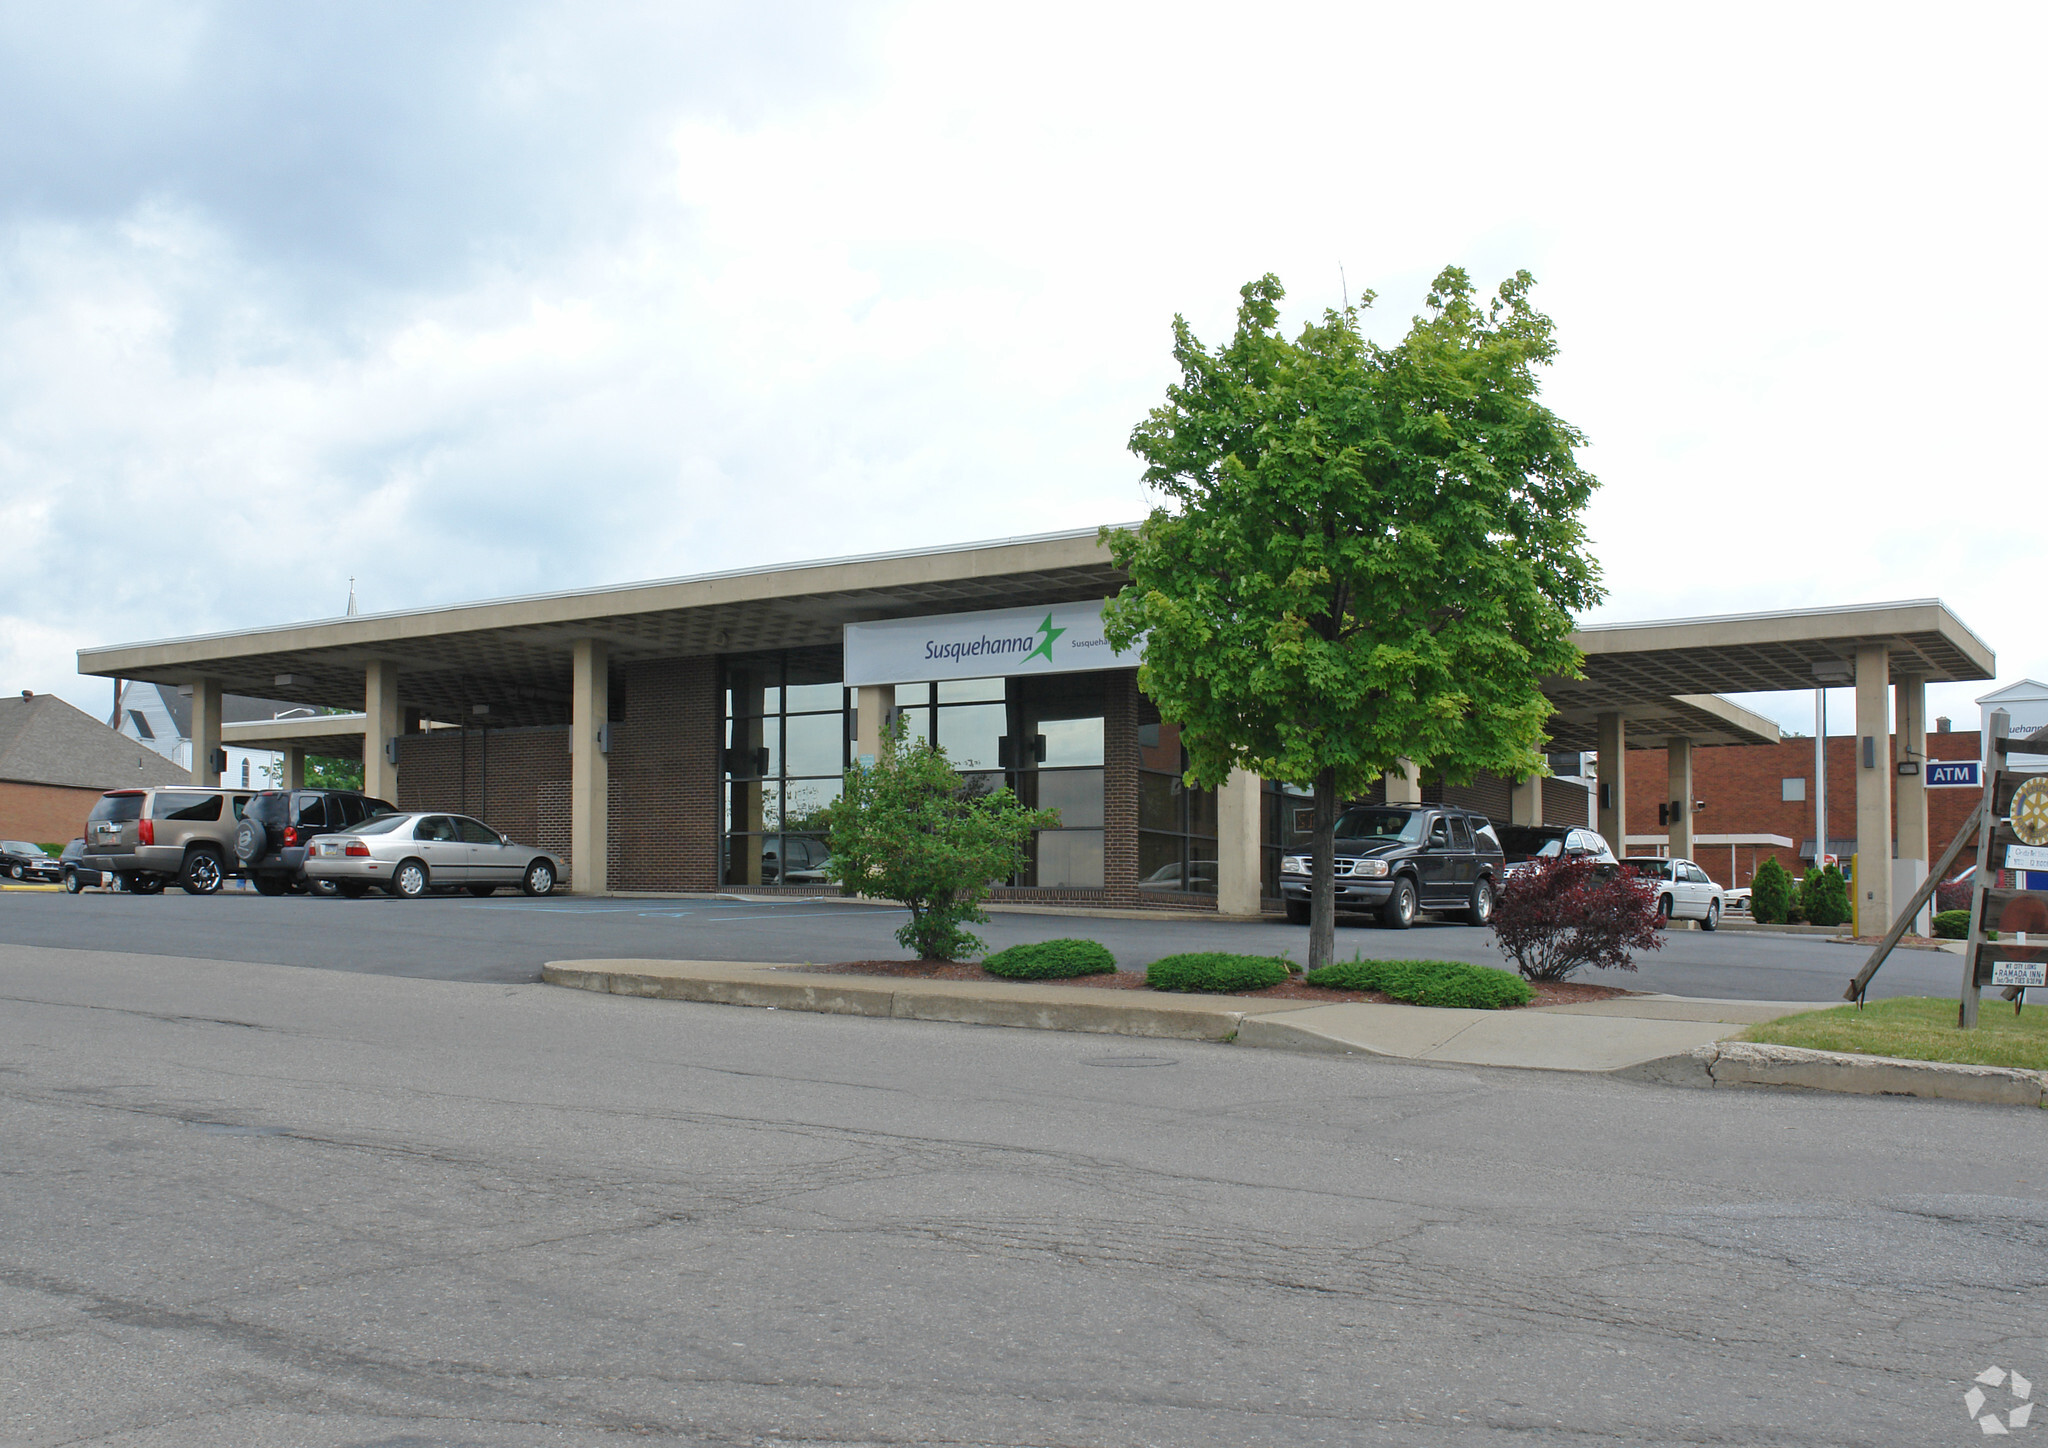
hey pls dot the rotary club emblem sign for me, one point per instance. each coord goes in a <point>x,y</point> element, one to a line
<point>2030,811</point>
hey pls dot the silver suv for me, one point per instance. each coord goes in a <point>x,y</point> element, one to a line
<point>146,838</point>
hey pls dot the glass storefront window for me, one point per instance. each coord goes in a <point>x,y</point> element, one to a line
<point>785,759</point>
<point>1176,824</point>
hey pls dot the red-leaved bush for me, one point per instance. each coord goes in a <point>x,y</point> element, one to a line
<point>1950,896</point>
<point>1566,913</point>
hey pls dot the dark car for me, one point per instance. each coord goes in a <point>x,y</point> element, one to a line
<point>1525,845</point>
<point>1397,859</point>
<point>278,824</point>
<point>78,873</point>
<point>26,860</point>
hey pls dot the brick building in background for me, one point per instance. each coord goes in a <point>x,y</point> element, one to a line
<point>1755,795</point>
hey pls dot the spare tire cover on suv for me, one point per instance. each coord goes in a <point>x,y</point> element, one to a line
<point>252,841</point>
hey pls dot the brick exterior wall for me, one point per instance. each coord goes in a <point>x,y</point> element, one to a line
<point>665,777</point>
<point>44,814</point>
<point>515,780</point>
<point>1743,787</point>
<point>1565,802</point>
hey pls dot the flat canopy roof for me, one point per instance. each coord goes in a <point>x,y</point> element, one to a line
<point>514,654</point>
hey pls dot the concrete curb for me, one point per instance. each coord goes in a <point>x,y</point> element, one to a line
<point>1742,1063</point>
<point>1043,1008</point>
<point>1260,1024</point>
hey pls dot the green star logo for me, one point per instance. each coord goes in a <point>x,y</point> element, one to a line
<point>1044,648</point>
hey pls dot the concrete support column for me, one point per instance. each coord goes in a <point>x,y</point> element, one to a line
<point>1872,892</point>
<point>1525,802</point>
<point>871,706</point>
<point>1909,713</point>
<point>1237,844</point>
<point>205,730</point>
<point>589,769</point>
<point>1679,753</point>
<point>1612,799</point>
<point>292,769</point>
<point>381,723</point>
<point>1404,784</point>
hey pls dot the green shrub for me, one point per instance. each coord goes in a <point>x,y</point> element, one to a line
<point>1770,894</point>
<point>1051,960</point>
<point>1212,970</point>
<point>1955,925</point>
<point>1451,984</point>
<point>1825,896</point>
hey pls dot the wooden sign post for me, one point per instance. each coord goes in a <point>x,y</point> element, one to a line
<point>2012,838</point>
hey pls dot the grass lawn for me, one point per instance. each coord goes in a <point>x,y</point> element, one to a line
<point>1920,1028</point>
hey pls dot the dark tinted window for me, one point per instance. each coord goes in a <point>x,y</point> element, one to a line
<point>1523,842</point>
<point>1438,836</point>
<point>378,807</point>
<point>1484,839</point>
<point>169,806</point>
<point>115,808</point>
<point>269,808</point>
<point>350,808</point>
<point>1461,835</point>
<point>310,811</point>
<point>476,834</point>
<point>1404,825</point>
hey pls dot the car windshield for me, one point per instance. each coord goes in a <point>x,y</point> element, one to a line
<point>1525,843</point>
<point>382,825</point>
<point>1399,826</point>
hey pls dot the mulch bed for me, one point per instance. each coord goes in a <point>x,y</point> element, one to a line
<point>1548,993</point>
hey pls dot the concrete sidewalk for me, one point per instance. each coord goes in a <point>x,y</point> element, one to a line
<point>1606,1035</point>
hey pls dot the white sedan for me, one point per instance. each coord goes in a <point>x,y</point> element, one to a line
<point>1684,890</point>
<point>411,853</point>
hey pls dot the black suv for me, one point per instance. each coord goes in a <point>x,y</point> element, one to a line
<point>1401,858</point>
<point>270,842</point>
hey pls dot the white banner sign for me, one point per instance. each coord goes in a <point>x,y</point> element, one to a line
<point>2019,972</point>
<point>1060,638</point>
<point>2026,857</point>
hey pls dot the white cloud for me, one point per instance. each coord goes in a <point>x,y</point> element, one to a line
<point>633,298</point>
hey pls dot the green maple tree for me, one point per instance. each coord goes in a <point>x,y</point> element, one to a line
<point>1368,555</point>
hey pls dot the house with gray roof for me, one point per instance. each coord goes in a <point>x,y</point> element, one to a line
<point>55,763</point>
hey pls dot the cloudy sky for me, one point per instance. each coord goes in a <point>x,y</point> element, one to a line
<point>472,300</point>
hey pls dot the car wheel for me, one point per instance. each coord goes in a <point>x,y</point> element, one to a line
<point>1663,911</point>
<point>71,885</point>
<point>482,892</point>
<point>409,880</point>
<point>270,885</point>
<point>1399,911</point>
<point>14,872</point>
<point>323,887</point>
<point>351,889</point>
<point>141,883</point>
<point>201,874</point>
<point>540,878</point>
<point>1481,910</point>
<point>1713,919</point>
<point>1297,912</point>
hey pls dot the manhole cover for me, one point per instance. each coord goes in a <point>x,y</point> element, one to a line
<point>1127,1060</point>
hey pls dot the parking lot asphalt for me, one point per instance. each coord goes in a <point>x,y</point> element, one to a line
<point>251,1205</point>
<point>509,938</point>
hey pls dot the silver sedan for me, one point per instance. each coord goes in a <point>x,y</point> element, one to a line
<point>411,853</point>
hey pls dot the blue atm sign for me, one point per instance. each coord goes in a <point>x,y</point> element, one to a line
<point>1953,774</point>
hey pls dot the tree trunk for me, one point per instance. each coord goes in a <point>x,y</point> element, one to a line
<point>1322,886</point>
